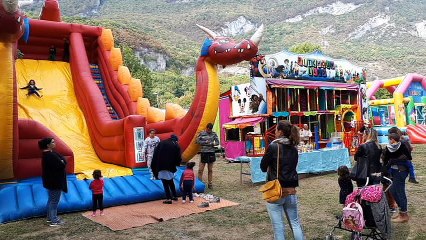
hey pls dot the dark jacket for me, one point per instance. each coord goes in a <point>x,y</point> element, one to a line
<point>398,157</point>
<point>53,171</point>
<point>372,152</point>
<point>287,166</point>
<point>167,156</point>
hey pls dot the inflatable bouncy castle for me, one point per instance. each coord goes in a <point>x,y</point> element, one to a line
<point>406,109</point>
<point>92,106</point>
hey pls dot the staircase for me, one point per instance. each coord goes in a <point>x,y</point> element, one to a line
<point>96,74</point>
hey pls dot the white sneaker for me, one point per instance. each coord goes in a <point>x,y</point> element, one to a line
<point>191,201</point>
<point>183,201</point>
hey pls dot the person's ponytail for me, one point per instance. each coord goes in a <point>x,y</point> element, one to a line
<point>294,136</point>
<point>289,131</point>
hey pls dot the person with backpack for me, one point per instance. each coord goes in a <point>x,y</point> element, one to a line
<point>287,138</point>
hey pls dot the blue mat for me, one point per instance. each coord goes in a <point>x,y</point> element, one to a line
<point>28,198</point>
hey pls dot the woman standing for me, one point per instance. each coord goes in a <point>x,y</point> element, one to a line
<point>287,137</point>
<point>54,178</point>
<point>371,151</point>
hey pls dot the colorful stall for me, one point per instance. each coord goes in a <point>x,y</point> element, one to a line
<point>313,89</point>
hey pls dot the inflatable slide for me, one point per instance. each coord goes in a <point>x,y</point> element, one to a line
<point>92,107</point>
<point>417,133</point>
<point>58,110</point>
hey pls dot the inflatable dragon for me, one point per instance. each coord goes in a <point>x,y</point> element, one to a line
<point>112,139</point>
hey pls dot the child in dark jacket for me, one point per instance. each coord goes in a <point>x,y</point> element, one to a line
<point>32,89</point>
<point>187,182</point>
<point>97,187</point>
<point>345,183</point>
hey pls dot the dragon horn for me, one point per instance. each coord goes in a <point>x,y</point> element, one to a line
<point>208,31</point>
<point>10,6</point>
<point>257,36</point>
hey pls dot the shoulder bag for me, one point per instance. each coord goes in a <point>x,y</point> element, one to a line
<point>272,190</point>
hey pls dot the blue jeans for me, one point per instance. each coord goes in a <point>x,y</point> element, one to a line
<point>52,205</point>
<point>398,188</point>
<point>411,169</point>
<point>287,207</point>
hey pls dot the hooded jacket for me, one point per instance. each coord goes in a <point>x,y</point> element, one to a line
<point>167,156</point>
<point>289,157</point>
<point>396,154</point>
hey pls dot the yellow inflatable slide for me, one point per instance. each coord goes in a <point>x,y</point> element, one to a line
<point>58,110</point>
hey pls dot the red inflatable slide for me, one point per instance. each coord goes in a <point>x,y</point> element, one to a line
<point>417,133</point>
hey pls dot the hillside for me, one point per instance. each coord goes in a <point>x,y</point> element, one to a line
<point>386,37</point>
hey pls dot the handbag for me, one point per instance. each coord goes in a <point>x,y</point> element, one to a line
<point>272,190</point>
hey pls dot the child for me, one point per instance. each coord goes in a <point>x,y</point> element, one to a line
<point>188,182</point>
<point>409,164</point>
<point>148,148</point>
<point>32,88</point>
<point>345,183</point>
<point>97,187</point>
<point>52,53</point>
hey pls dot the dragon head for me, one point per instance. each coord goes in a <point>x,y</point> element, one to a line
<point>11,20</point>
<point>226,51</point>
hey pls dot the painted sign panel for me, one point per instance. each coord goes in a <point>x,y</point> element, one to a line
<point>139,139</point>
<point>249,98</point>
<point>313,66</point>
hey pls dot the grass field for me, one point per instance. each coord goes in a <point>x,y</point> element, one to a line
<point>318,207</point>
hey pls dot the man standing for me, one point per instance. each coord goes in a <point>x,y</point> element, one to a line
<point>148,148</point>
<point>208,140</point>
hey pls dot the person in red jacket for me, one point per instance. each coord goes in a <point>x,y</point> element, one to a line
<point>187,182</point>
<point>97,187</point>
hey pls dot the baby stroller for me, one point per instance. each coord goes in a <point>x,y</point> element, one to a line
<point>366,214</point>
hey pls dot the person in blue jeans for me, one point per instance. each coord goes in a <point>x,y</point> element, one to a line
<point>287,138</point>
<point>406,141</point>
<point>395,157</point>
<point>54,178</point>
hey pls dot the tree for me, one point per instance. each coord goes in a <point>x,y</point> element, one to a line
<point>305,47</point>
<point>383,94</point>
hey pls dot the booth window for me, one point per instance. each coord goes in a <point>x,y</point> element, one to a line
<point>233,134</point>
<point>245,131</point>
